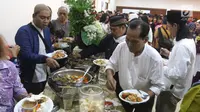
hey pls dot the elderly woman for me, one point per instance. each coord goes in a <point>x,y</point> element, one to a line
<point>61,24</point>
<point>10,86</point>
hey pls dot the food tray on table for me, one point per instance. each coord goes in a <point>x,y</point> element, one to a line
<point>69,77</point>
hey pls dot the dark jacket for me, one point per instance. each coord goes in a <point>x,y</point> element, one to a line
<point>106,45</point>
<point>28,40</point>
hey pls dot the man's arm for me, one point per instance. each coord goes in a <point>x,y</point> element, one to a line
<point>93,49</point>
<point>180,67</point>
<point>156,78</point>
<point>22,39</point>
<point>89,51</point>
<point>112,67</point>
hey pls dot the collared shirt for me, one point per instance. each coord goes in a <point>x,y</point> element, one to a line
<point>180,67</point>
<point>142,72</point>
<point>40,69</point>
<point>120,39</point>
<point>10,86</point>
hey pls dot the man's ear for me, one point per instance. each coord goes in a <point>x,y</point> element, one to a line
<point>33,15</point>
<point>58,13</point>
<point>146,39</point>
<point>175,25</point>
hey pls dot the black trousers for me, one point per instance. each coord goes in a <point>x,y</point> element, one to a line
<point>196,77</point>
<point>166,102</point>
<point>34,88</point>
<point>144,107</point>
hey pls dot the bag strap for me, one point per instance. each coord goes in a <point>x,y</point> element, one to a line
<point>41,37</point>
<point>160,33</point>
<point>166,32</point>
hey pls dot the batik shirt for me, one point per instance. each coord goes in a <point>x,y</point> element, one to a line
<point>10,86</point>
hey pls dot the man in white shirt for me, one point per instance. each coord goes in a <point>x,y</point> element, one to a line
<point>180,67</point>
<point>139,66</point>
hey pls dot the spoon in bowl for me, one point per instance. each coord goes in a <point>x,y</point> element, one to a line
<point>80,80</point>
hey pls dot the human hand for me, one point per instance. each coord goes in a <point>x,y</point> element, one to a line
<point>150,93</point>
<point>69,39</point>
<point>111,82</point>
<point>14,50</point>
<point>52,63</point>
<point>164,52</point>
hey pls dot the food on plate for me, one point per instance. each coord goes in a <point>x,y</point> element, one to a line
<point>29,104</point>
<point>60,45</point>
<point>124,95</point>
<point>70,78</point>
<point>56,45</point>
<point>33,103</point>
<point>41,100</point>
<point>100,62</point>
<point>131,97</point>
<point>67,39</point>
<point>58,54</point>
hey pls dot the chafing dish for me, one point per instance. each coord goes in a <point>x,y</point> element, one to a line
<point>57,86</point>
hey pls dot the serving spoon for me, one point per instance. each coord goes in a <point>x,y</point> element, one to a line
<point>80,80</point>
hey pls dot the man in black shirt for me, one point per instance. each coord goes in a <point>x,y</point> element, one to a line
<point>109,43</point>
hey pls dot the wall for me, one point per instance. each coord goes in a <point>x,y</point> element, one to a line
<point>15,13</point>
<point>166,4</point>
<point>112,5</point>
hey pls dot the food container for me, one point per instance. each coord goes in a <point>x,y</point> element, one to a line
<point>91,99</point>
<point>69,77</point>
<point>57,86</point>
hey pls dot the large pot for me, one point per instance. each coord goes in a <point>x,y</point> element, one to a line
<point>57,86</point>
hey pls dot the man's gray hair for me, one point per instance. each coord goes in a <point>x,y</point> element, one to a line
<point>40,7</point>
<point>63,7</point>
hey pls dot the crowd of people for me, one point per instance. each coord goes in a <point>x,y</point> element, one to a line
<point>134,44</point>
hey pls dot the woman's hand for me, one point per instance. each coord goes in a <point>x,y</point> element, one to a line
<point>14,50</point>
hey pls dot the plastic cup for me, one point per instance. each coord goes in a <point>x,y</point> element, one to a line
<point>68,101</point>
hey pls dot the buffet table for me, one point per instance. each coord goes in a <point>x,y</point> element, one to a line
<point>108,95</point>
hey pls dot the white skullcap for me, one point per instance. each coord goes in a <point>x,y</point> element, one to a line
<point>132,16</point>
